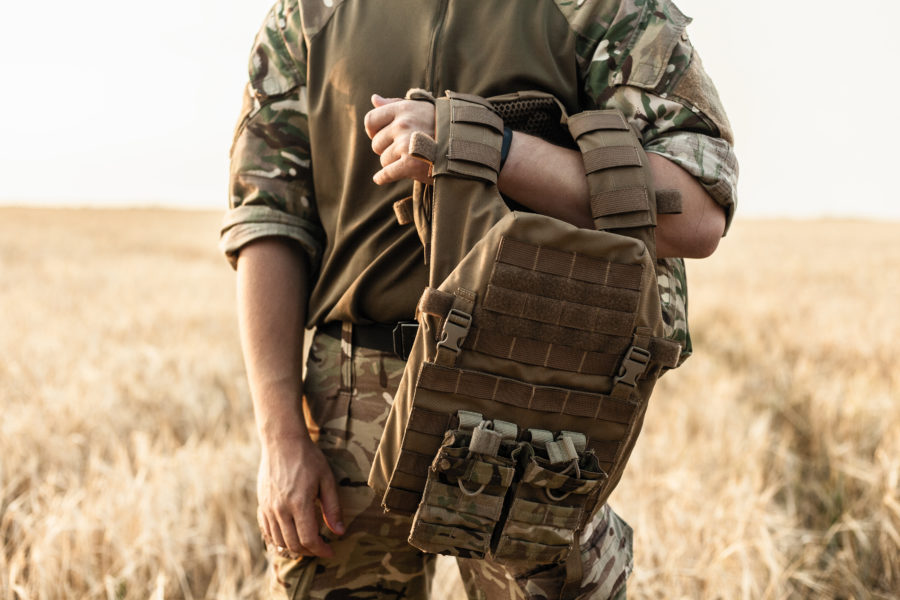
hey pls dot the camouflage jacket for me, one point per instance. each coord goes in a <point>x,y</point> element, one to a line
<point>301,165</point>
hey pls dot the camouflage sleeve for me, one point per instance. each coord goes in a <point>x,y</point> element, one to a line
<point>271,191</point>
<point>645,65</point>
<point>637,57</point>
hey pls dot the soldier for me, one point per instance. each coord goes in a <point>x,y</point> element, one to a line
<point>318,160</point>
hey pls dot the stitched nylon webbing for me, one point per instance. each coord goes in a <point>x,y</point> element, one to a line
<point>402,500</point>
<point>573,350</point>
<point>614,202</point>
<point>608,157</point>
<point>552,334</point>
<point>470,113</point>
<point>414,463</point>
<point>557,312</point>
<point>539,353</point>
<point>429,422</point>
<point>482,386</point>
<point>569,264</point>
<point>468,98</point>
<point>614,161</point>
<point>565,288</point>
<point>475,152</point>
<point>580,124</point>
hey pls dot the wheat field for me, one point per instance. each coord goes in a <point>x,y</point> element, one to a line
<point>769,466</point>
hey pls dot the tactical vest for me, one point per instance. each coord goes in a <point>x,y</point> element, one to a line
<point>539,343</point>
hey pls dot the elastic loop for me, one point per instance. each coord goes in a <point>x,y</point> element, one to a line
<point>550,496</point>
<point>463,489</point>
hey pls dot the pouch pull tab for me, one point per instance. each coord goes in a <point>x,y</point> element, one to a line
<point>468,420</point>
<point>403,210</point>
<point>540,437</point>
<point>485,440</point>
<point>561,451</point>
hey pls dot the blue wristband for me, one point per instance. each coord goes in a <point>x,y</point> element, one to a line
<point>504,147</point>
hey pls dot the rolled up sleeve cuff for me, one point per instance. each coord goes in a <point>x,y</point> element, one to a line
<point>244,224</point>
<point>710,160</point>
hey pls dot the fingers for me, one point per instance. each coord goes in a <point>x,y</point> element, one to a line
<point>264,527</point>
<point>380,116</point>
<point>390,126</point>
<point>378,100</point>
<point>404,168</point>
<point>382,140</point>
<point>331,506</point>
<point>295,533</point>
<point>289,492</point>
<point>306,525</point>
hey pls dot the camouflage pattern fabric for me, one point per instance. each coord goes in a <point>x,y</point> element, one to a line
<point>373,560</point>
<point>633,55</point>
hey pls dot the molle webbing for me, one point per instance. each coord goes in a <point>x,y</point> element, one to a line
<point>621,187</point>
<point>582,320</point>
<point>535,307</point>
<point>483,386</point>
<point>569,264</point>
<point>573,350</point>
<point>471,145</point>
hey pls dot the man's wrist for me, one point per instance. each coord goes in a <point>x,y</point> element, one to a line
<point>279,417</point>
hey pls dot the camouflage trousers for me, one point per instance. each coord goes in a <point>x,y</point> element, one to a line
<point>347,395</point>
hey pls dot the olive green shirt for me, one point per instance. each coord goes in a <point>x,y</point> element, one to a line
<point>302,165</point>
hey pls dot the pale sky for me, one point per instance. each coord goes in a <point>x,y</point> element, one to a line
<point>121,103</point>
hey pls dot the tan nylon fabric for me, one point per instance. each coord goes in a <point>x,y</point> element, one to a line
<point>477,249</point>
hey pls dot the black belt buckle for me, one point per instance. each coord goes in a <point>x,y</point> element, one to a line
<point>404,336</point>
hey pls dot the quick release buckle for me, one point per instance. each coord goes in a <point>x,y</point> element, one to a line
<point>633,366</point>
<point>456,328</point>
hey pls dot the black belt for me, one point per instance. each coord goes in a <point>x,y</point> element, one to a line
<point>396,338</point>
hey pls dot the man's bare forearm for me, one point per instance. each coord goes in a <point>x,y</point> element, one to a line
<point>271,291</point>
<point>550,180</point>
<point>293,472</point>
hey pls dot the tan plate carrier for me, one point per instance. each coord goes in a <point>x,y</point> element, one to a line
<point>539,343</point>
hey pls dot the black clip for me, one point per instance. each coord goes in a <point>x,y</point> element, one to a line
<point>404,336</point>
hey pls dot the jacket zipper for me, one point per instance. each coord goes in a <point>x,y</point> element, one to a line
<point>432,53</point>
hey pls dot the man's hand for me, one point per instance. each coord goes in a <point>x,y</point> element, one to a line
<point>293,472</point>
<point>390,125</point>
<point>292,476</point>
